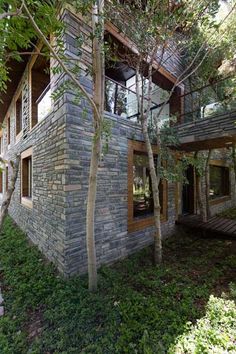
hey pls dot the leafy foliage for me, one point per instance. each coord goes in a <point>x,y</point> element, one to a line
<point>214,333</point>
<point>229,213</point>
<point>138,308</point>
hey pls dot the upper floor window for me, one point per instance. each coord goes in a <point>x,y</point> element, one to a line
<point>121,98</point>
<point>40,90</point>
<point>8,130</point>
<point>18,109</point>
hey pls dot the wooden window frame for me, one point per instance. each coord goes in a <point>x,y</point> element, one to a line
<point>33,60</point>
<point>224,198</point>
<point>19,135</point>
<point>6,178</point>
<point>8,130</point>
<point>142,223</point>
<point>27,201</point>
<point>1,143</point>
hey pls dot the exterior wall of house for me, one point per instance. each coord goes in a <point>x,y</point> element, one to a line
<point>113,241</point>
<point>61,155</point>
<point>44,223</point>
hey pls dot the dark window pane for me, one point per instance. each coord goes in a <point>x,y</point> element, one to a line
<point>219,181</point>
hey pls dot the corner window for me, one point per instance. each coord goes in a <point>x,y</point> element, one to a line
<point>40,90</point>
<point>219,181</point>
<point>26,178</point>
<point>140,196</point>
<point>18,108</point>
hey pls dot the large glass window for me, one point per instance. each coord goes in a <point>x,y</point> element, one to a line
<point>143,204</point>
<point>40,90</point>
<point>140,195</point>
<point>219,181</point>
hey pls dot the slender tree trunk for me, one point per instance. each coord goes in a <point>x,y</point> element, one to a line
<point>200,194</point>
<point>200,199</point>
<point>155,190</point>
<point>99,89</point>
<point>91,201</point>
<point>11,188</point>
<point>144,114</point>
<point>207,183</point>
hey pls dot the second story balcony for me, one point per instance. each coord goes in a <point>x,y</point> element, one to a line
<point>217,131</point>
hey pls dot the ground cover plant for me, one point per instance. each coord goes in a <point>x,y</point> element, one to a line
<point>137,309</point>
<point>229,213</point>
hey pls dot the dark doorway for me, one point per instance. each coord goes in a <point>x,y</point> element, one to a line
<point>188,192</point>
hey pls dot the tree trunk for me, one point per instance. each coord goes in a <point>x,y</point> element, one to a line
<point>11,188</point>
<point>155,190</point>
<point>207,183</point>
<point>92,191</point>
<point>99,89</point>
<point>199,194</point>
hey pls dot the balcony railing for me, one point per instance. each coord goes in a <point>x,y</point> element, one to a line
<point>122,101</point>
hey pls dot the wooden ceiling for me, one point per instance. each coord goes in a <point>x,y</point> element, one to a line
<point>16,70</point>
<point>215,143</point>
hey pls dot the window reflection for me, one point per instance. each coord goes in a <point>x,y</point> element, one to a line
<point>143,204</point>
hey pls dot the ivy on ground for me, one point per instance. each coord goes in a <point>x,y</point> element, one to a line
<point>139,308</point>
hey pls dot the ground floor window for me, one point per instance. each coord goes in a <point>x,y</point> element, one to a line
<point>140,196</point>
<point>6,178</point>
<point>26,177</point>
<point>219,181</point>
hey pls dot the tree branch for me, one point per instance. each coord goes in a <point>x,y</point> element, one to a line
<point>61,63</point>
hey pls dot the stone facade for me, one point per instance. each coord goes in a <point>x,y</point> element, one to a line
<point>61,155</point>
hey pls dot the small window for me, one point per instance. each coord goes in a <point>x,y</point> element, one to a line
<point>8,131</point>
<point>1,188</point>
<point>6,178</point>
<point>140,196</point>
<point>26,177</point>
<point>219,181</point>
<point>19,114</point>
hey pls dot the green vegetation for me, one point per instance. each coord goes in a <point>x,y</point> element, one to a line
<point>229,214</point>
<point>138,308</point>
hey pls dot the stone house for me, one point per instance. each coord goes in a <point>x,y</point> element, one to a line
<point>54,140</point>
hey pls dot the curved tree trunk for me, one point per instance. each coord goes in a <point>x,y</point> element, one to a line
<point>11,188</point>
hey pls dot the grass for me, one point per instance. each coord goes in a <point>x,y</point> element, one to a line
<point>138,308</point>
<point>228,214</point>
